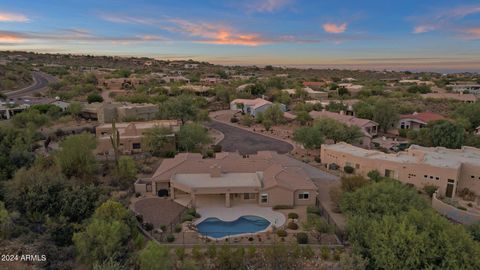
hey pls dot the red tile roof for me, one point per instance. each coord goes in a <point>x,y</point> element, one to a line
<point>424,116</point>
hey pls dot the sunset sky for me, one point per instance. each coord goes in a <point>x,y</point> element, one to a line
<point>436,35</point>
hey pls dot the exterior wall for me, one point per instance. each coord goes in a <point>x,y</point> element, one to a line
<point>454,213</point>
<point>311,197</point>
<point>147,112</point>
<point>470,178</point>
<point>277,196</point>
<point>418,175</point>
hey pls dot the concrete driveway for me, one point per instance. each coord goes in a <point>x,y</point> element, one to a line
<point>246,142</point>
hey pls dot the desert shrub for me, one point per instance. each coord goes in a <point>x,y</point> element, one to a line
<point>139,218</point>
<point>197,253</point>
<point>180,252</point>
<point>292,226</point>
<point>170,238</point>
<point>348,169</point>
<point>467,194</point>
<point>212,251</point>
<point>313,210</point>
<point>191,211</point>
<point>324,253</point>
<point>317,159</point>
<point>178,228</point>
<point>302,238</point>
<point>281,206</point>
<point>282,233</point>
<point>374,175</point>
<point>187,217</point>
<point>163,228</point>
<point>233,120</point>
<point>293,215</point>
<point>430,189</point>
<point>148,226</point>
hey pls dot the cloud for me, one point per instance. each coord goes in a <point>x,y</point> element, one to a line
<point>267,5</point>
<point>444,19</point>
<point>72,35</point>
<point>128,19</point>
<point>215,33</point>
<point>334,28</point>
<point>13,17</point>
<point>8,37</point>
<point>471,33</point>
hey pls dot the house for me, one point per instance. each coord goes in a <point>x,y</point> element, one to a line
<point>352,88</point>
<point>122,83</point>
<point>262,179</point>
<point>314,94</point>
<point>469,87</point>
<point>417,120</point>
<point>172,79</point>
<point>8,110</point>
<point>109,112</point>
<point>465,98</point>
<point>417,82</point>
<point>131,135</point>
<point>368,127</point>
<point>253,106</point>
<point>450,170</point>
<point>190,66</point>
<point>315,85</point>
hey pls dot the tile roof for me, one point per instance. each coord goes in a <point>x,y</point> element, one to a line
<point>424,116</point>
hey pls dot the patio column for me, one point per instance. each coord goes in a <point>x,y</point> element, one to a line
<point>172,193</point>
<point>154,188</point>
<point>227,199</point>
<point>192,196</point>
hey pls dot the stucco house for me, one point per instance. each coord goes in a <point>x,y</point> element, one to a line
<point>260,179</point>
<point>450,170</point>
<point>417,120</point>
<point>368,127</point>
<point>253,106</point>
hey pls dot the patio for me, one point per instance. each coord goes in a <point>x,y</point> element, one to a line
<point>158,211</point>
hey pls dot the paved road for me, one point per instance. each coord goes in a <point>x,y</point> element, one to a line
<point>40,81</point>
<point>246,142</point>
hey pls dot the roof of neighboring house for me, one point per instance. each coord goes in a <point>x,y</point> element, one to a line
<point>423,117</point>
<point>314,84</point>
<point>232,166</point>
<point>346,119</point>
<point>255,103</point>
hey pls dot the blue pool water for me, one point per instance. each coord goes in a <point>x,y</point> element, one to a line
<point>216,228</point>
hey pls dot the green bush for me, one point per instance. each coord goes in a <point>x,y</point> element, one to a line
<point>170,238</point>
<point>314,210</point>
<point>302,238</point>
<point>430,189</point>
<point>293,215</point>
<point>282,233</point>
<point>178,228</point>
<point>148,226</point>
<point>281,206</point>
<point>187,217</point>
<point>191,211</point>
<point>324,253</point>
<point>348,169</point>
<point>292,226</point>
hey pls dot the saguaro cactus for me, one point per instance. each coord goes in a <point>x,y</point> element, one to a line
<point>115,141</point>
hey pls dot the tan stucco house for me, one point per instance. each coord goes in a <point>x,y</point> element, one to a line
<point>260,179</point>
<point>451,170</point>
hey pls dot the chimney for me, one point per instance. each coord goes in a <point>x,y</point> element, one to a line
<point>215,170</point>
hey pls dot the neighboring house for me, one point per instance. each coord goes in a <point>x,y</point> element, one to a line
<point>260,179</point>
<point>253,106</point>
<point>466,98</point>
<point>368,127</point>
<point>171,79</point>
<point>315,85</point>
<point>470,87</point>
<point>131,135</point>
<point>190,66</point>
<point>109,112</point>
<point>9,110</point>
<point>61,104</point>
<point>352,88</point>
<point>314,94</point>
<point>450,170</point>
<point>121,83</point>
<point>417,120</point>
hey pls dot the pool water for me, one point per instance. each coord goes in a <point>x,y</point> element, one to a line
<point>216,228</point>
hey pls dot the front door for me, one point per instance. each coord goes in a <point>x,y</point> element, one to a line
<point>450,186</point>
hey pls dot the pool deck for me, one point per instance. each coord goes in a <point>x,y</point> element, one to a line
<point>215,207</point>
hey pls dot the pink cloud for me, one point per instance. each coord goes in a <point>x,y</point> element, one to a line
<point>423,29</point>
<point>472,33</point>
<point>13,17</point>
<point>267,5</point>
<point>334,28</point>
<point>10,37</point>
<point>443,19</point>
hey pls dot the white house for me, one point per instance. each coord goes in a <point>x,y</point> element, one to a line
<point>253,106</point>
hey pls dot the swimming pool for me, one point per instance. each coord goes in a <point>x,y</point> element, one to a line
<point>216,228</point>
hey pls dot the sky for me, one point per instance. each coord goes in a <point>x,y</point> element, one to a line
<point>430,35</point>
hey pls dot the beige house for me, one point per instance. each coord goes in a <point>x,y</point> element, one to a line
<point>368,127</point>
<point>109,112</point>
<point>261,179</point>
<point>417,120</point>
<point>451,170</point>
<point>131,135</point>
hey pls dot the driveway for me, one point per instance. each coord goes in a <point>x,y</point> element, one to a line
<point>246,142</point>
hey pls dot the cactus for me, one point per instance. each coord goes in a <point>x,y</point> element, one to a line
<point>115,141</point>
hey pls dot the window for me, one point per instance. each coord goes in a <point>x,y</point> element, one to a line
<point>303,195</point>
<point>249,196</point>
<point>136,145</point>
<point>264,198</point>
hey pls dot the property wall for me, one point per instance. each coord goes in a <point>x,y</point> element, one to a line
<point>454,213</point>
<point>470,178</point>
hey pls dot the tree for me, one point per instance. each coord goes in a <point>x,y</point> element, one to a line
<point>342,91</point>
<point>337,131</point>
<point>374,175</point>
<point>192,135</point>
<point>94,97</point>
<point>154,257</point>
<point>470,112</point>
<point>352,183</point>
<point>6,222</point>
<point>309,137</point>
<point>274,114</point>
<point>447,134</point>
<point>75,109</point>
<point>106,235</point>
<point>385,115</point>
<point>76,155</point>
<point>422,89</point>
<point>126,172</point>
<point>183,107</point>
<point>352,261</point>
<point>303,117</point>
<point>363,110</point>
<point>157,139</point>
<point>336,106</point>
